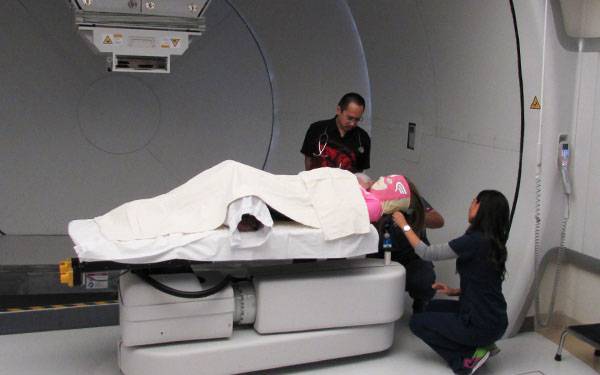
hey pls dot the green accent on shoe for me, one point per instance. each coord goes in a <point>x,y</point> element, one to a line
<point>480,352</point>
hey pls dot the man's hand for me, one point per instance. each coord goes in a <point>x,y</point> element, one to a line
<point>399,219</point>
<point>444,289</point>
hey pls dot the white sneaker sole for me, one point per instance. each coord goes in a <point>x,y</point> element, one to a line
<point>481,362</point>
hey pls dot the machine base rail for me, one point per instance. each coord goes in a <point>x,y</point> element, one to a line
<point>72,270</point>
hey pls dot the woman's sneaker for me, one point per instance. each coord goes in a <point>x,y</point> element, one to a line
<point>474,363</point>
<point>493,349</point>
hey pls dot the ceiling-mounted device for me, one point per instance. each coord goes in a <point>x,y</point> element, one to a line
<point>140,35</point>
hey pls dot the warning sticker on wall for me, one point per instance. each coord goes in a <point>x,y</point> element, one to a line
<point>118,39</point>
<point>535,104</point>
<point>175,42</point>
<point>107,40</point>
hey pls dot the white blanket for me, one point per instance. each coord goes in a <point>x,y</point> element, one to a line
<point>253,206</point>
<point>325,198</point>
<point>287,240</point>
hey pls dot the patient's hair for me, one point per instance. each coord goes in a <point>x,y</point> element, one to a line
<point>416,215</point>
<point>351,97</point>
<point>363,177</point>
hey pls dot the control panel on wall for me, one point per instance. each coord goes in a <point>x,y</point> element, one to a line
<point>410,134</point>
<point>411,137</point>
<point>564,154</point>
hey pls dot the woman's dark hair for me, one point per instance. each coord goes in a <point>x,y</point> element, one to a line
<point>492,219</point>
<point>416,215</point>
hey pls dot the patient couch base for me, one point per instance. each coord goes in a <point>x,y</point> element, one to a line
<point>249,351</point>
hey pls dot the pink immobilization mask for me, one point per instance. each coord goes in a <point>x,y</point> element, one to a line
<point>374,206</point>
<point>393,193</point>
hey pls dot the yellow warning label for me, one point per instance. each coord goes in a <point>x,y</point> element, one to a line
<point>118,38</point>
<point>535,104</point>
<point>107,40</point>
<point>175,42</point>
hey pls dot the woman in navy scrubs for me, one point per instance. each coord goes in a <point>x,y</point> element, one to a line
<point>463,331</point>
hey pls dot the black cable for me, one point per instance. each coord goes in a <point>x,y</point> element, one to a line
<point>240,279</point>
<point>145,275</point>
<point>2,233</point>
<point>264,59</point>
<point>76,4</point>
<point>520,70</point>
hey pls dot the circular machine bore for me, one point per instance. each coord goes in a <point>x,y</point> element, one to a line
<point>119,114</point>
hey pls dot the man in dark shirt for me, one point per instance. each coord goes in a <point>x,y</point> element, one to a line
<point>339,142</point>
<point>420,274</point>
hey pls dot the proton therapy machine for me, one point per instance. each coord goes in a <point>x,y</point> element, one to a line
<point>213,302</point>
<point>199,296</point>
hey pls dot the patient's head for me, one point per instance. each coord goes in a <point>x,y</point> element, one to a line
<point>397,193</point>
<point>393,192</point>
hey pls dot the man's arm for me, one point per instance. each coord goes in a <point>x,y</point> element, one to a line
<point>307,163</point>
<point>445,289</point>
<point>308,147</point>
<point>364,158</point>
<point>433,219</point>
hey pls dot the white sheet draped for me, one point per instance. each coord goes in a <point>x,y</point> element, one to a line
<point>325,198</point>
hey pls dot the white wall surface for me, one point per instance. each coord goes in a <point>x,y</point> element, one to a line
<point>315,56</point>
<point>585,170</point>
<point>444,74</point>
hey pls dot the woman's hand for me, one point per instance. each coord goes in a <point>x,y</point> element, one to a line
<point>410,235</point>
<point>445,289</point>
<point>399,219</point>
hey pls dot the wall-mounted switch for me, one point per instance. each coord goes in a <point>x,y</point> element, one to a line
<point>411,137</point>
